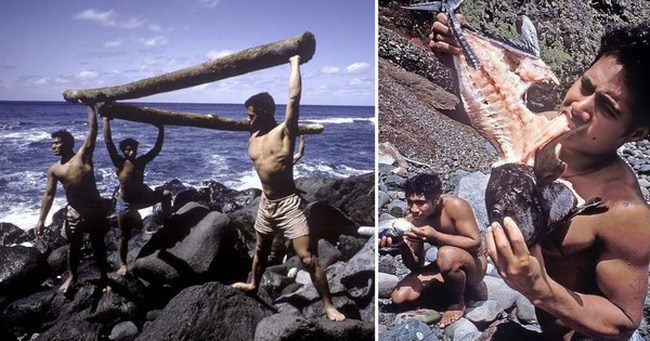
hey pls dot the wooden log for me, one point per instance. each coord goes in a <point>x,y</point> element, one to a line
<point>239,63</point>
<point>166,117</point>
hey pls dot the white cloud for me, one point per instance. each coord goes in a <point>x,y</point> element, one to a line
<point>132,23</point>
<point>208,3</point>
<point>113,43</point>
<point>356,67</point>
<point>153,42</point>
<point>106,18</point>
<point>330,69</point>
<point>154,28</point>
<point>87,74</point>
<point>110,19</point>
<point>214,54</point>
<point>356,81</point>
<point>41,81</point>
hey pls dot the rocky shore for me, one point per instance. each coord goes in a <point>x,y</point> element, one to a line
<point>495,313</point>
<point>181,269</point>
<point>421,117</point>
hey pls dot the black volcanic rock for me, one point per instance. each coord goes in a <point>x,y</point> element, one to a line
<point>11,234</point>
<point>211,311</point>
<point>23,268</point>
<point>170,292</point>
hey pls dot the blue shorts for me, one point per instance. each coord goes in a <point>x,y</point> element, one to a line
<point>122,207</point>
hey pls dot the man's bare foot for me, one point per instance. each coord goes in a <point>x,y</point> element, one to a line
<point>122,270</point>
<point>333,314</point>
<point>453,313</point>
<point>245,287</point>
<point>65,287</point>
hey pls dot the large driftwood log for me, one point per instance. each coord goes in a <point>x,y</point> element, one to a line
<point>239,63</point>
<point>165,117</point>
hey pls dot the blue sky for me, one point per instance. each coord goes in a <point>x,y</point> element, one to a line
<point>47,47</point>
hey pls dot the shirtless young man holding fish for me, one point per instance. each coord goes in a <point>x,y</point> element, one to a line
<point>271,147</point>
<point>448,223</point>
<point>590,277</point>
<point>85,212</point>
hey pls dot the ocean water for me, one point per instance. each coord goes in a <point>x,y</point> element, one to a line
<point>192,155</point>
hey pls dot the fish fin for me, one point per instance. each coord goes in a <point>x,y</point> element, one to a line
<point>548,167</point>
<point>434,6</point>
<point>453,4</point>
<point>592,206</point>
<point>528,35</point>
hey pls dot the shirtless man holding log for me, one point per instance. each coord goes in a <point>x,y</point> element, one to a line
<point>134,194</point>
<point>85,212</point>
<point>271,147</point>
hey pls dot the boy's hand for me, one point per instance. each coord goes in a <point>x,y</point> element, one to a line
<point>442,38</point>
<point>423,233</point>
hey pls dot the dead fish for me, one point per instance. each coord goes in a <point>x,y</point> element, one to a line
<point>394,228</point>
<point>533,196</point>
<point>494,76</point>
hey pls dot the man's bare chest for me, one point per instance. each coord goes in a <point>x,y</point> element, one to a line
<point>72,172</point>
<point>441,223</point>
<point>576,237</point>
<point>264,148</point>
<point>130,171</point>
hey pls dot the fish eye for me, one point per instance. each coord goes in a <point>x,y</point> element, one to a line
<point>496,211</point>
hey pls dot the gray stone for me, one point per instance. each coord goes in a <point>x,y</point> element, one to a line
<point>397,208</point>
<point>385,284</point>
<point>526,310</point>
<point>124,331</point>
<point>431,254</point>
<point>359,272</point>
<point>382,199</point>
<point>395,181</point>
<point>411,330</point>
<point>472,189</point>
<point>486,311</point>
<point>327,253</point>
<point>462,330</point>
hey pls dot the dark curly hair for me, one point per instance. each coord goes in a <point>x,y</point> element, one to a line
<point>262,102</point>
<point>128,142</point>
<point>66,137</point>
<point>630,45</point>
<point>427,184</point>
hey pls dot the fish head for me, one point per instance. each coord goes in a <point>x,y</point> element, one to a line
<point>532,196</point>
<point>394,228</point>
<point>512,191</point>
<point>535,70</point>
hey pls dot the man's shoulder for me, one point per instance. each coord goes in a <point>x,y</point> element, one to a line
<point>625,220</point>
<point>453,200</point>
<point>454,205</point>
<point>54,168</point>
<point>630,210</point>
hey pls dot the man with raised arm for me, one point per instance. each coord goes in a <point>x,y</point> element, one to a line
<point>85,212</point>
<point>134,194</point>
<point>271,147</point>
